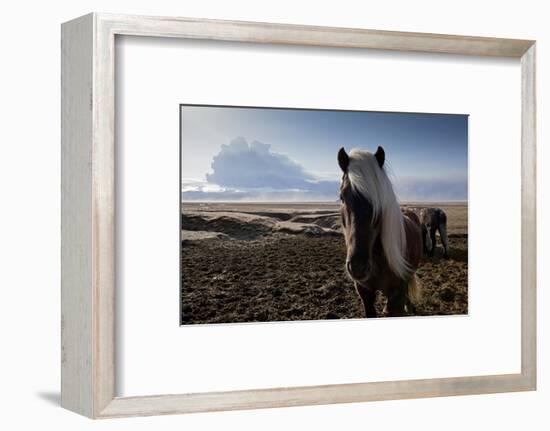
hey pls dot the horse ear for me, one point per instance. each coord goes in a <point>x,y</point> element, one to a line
<point>343,159</point>
<point>380,156</point>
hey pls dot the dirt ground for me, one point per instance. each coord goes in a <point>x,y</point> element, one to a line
<point>266,262</point>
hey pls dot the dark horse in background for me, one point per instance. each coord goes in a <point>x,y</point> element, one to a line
<point>434,220</point>
<point>384,245</point>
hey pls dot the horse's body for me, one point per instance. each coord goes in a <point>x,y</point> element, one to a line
<point>434,220</point>
<point>384,246</point>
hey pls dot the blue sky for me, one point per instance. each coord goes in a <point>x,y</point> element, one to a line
<point>262,154</point>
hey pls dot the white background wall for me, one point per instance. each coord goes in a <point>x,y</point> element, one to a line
<point>29,216</point>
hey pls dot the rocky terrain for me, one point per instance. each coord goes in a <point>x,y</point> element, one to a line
<point>278,262</point>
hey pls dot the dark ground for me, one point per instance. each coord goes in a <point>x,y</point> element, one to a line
<point>267,275</point>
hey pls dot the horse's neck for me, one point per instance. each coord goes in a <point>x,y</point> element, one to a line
<point>410,226</point>
<point>413,250</point>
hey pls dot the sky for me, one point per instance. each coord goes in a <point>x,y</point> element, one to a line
<point>265,154</point>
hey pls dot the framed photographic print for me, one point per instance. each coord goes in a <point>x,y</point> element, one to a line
<point>286,198</point>
<point>262,232</point>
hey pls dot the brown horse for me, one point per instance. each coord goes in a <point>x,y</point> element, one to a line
<point>384,245</point>
<point>432,220</point>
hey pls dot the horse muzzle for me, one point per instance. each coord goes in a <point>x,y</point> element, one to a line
<point>358,271</point>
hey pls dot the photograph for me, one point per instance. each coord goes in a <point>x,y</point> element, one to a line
<point>306,214</point>
<point>333,164</point>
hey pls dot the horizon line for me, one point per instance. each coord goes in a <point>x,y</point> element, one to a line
<point>406,202</point>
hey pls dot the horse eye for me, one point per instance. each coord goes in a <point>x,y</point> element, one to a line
<point>341,197</point>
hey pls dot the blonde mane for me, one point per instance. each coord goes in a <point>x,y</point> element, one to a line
<point>371,181</point>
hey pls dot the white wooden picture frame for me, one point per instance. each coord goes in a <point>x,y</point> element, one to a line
<point>88,215</point>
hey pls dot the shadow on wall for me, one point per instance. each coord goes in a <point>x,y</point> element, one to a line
<point>53,398</point>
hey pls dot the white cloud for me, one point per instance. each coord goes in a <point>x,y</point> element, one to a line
<point>253,172</point>
<point>241,165</point>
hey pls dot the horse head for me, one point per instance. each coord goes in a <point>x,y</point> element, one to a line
<point>360,221</point>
